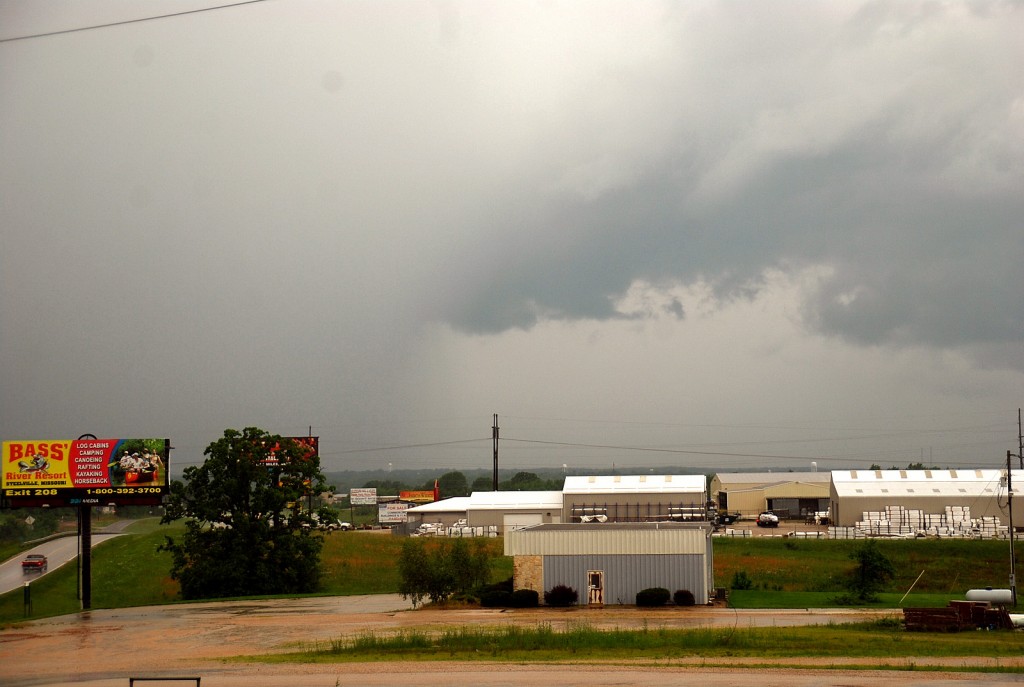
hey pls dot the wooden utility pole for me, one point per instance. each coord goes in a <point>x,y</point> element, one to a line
<point>494,436</point>
<point>1009,505</point>
<point>1020,441</point>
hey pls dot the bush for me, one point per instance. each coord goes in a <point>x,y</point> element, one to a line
<point>561,595</point>
<point>503,586</point>
<point>741,580</point>
<point>496,598</point>
<point>871,574</point>
<point>524,598</point>
<point>684,597</point>
<point>655,596</point>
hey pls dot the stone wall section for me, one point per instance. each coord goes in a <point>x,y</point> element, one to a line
<point>528,573</point>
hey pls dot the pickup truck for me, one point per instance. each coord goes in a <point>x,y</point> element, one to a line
<point>34,562</point>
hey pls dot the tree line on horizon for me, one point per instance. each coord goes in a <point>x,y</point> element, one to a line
<point>455,483</point>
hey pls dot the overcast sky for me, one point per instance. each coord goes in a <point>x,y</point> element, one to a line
<point>726,234</point>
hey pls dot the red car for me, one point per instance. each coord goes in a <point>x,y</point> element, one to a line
<point>34,562</point>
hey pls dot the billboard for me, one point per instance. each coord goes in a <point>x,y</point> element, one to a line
<point>312,445</point>
<point>392,513</point>
<point>64,472</point>
<point>366,496</point>
<point>421,496</point>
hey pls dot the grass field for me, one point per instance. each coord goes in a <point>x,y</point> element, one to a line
<point>950,566</point>
<point>130,571</point>
<point>880,641</point>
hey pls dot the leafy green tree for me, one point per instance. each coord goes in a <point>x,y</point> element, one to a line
<point>469,564</point>
<point>526,481</point>
<point>437,570</point>
<point>872,572</point>
<point>452,484</point>
<point>387,487</point>
<point>12,526</point>
<point>414,568</point>
<point>529,481</point>
<point>482,483</point>
<point>246,533</point>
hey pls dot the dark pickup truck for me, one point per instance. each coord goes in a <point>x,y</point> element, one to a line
<point>34,562</point>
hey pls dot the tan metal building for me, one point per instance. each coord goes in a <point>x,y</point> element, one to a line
<point>982,491</point>
<point>788,494</point>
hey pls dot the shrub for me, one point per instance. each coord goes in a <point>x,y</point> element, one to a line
<point>503,586</point>
<point>561,595</point>
<point>655,596</point>
<point>684,597</point>
<point>741,580</point>
<point>496,598</point>
<point>524,598</point>
<point>872,572</point>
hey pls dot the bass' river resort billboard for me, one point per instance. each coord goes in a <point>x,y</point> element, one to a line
<point>71,472</point>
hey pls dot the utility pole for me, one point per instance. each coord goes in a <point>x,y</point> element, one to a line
<point>1009,505</point>
<point>1020,441</point>
<point>494,436</point>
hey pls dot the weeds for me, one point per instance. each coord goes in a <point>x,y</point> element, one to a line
<point>876,639</point>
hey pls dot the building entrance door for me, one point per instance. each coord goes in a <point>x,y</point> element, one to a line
<point>595,587</point>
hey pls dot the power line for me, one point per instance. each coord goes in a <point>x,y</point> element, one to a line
<point>662,450</point>
<point>396,448</point>
<point>130,21</point>
<point>856,459</point>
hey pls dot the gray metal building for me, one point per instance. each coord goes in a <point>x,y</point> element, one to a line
<point>608,563</point>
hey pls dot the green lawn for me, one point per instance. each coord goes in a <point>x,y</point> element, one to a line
<point>950,566</point>
<point>881,640</point>
<point>763,599</point>
<point>126,571</point>
<point>365,562</point>
<point>130,571</point>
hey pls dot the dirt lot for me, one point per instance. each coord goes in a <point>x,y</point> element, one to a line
<point>105,648</point>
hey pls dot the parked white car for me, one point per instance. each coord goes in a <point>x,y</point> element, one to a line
<point>767,519</point>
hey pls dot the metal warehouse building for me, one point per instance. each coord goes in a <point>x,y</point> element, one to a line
<point>608,563</point>
<point>495,511</point>
<point>981,493</point>
<point>787,494</point>
<point>634,498</point>
<point>509,510</point>
<point>446,511</point>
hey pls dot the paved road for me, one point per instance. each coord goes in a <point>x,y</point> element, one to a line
<point>58,552</point>
<point>103,648</point>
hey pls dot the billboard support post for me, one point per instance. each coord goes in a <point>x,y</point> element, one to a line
<point>85,547</point>
<point>86,519</point>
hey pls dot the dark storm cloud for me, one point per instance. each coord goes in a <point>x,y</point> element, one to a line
<point>277,214</point>
<point>910,197</point>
